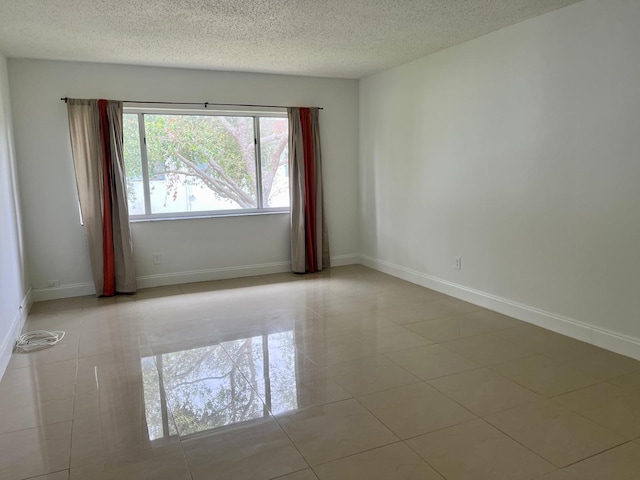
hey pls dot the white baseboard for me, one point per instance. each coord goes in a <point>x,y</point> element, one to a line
<point>570,327</point>
<point>342,260</point>
<point>63,291</point>
<point>6,349</point>
<point>222,273</point>
<point>176,278</point>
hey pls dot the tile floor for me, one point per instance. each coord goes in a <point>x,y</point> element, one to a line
<point>347,374</point>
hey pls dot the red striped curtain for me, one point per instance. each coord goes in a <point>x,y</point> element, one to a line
<point>96,133</point>
<point>309,236</point>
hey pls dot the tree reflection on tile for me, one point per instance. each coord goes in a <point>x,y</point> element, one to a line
<point>206,388</point>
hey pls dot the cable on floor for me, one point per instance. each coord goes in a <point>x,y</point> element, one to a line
<point>38,339</point>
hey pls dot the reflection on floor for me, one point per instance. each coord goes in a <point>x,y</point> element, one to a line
<point>210,387</point>
<point>347,374</point>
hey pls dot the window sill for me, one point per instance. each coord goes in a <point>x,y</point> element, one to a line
<point>205,216</point>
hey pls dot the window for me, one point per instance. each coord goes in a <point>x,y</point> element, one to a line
<point>181,164</point>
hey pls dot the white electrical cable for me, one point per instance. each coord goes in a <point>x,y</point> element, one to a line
<point>38,339</point>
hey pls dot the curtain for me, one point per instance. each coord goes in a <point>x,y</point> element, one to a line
<point>309,236</point>
<point>96,143</point>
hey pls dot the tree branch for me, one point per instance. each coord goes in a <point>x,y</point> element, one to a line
<point>198,380</point>
<point>239,196</point>
<point>196,364</point>
<point>274,163</point>
<point>232,183</point>
<point>213,184</point>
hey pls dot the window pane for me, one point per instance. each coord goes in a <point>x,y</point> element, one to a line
<point>133,164</point>
<point>268,362</point>
<point>156,411</point>
<point>200,163</point>
<point>274,153</point>
<point>282,370</point>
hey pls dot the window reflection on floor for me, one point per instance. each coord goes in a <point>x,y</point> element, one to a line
<point>210,387</point>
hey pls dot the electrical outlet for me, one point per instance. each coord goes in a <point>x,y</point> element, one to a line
<point>457,263</point>
<point>156,258</point>
<point>53,283</point>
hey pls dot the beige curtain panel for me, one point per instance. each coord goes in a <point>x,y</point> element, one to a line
<point>309,235</point>
<point>96,133</point>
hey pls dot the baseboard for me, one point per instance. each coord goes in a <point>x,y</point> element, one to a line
<point>176,278</point>
<point>27,303</point>
<point>6,349</point>
<point>342,260</point>
<point>570,327</point>
<point>222,273</point>
<point>163,279</point>
<point>63,291</point>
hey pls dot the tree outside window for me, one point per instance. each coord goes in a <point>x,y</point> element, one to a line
<point>205,163</point>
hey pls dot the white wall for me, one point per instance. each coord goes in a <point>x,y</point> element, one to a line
<point>55,239</point>
<point>520,152</point>
<point>14,298</point>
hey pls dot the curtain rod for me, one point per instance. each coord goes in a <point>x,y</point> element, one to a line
<point>206,104</point>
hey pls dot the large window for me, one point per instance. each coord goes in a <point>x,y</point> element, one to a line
<point>199,164</point>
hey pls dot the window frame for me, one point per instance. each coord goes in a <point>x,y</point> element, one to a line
<point>267,112</point>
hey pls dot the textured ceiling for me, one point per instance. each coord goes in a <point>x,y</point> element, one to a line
<point>335,38</point>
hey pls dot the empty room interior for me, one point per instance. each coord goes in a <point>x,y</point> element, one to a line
<point>316,240</point>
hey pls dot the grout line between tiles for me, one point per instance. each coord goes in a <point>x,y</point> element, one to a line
<point>359,453</point>
<point>50,473</point>
<point>425,460</point>
<point>478,417</point>
<point>34,428</point>
<point>579,414</point>
<point>291,473</point>
<point>596,454</point>
<point>555,397</point>
<point>420,434</point>
<point>282,429</point>
<point>535,453</point>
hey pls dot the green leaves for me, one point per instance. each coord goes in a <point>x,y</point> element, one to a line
<point>208,152</point>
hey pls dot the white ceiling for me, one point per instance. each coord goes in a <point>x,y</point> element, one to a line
<point>334,38</point>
